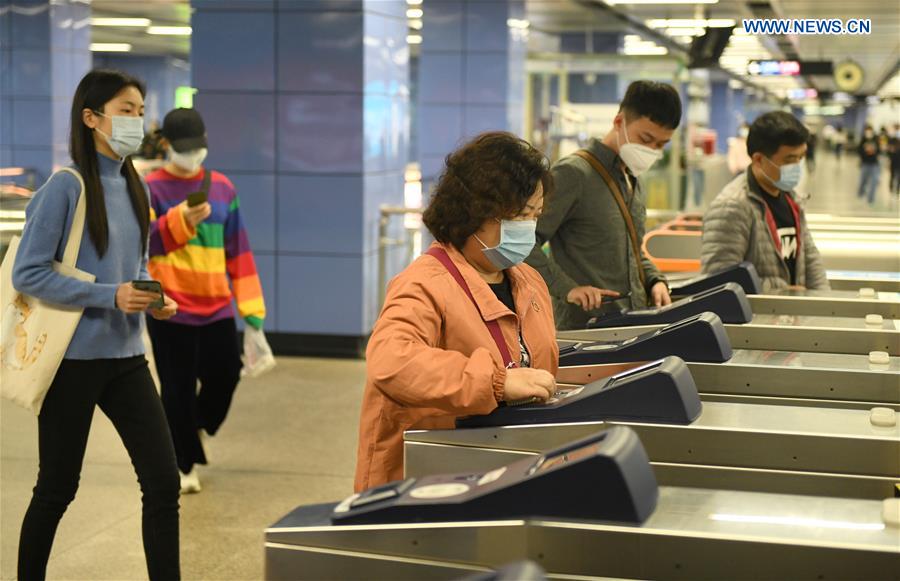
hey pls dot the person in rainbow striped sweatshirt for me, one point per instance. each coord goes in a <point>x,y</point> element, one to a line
<point>202,257</point>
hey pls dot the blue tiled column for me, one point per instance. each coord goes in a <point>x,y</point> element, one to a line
<point>472,75</point>
<point>722,115</point>
<point>740,114</point>
<point>44,52</point>
<point>306,103</point>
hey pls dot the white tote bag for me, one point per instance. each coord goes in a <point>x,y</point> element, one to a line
<point>34,334</point>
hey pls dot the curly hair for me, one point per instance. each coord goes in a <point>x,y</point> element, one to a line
<point>492,176</point>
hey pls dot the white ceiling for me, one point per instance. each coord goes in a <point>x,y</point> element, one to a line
<point>877,53</point>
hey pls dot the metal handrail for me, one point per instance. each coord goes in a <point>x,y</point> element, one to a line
<point>385,242</point>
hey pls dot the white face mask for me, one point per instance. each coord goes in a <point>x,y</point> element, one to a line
<point>638,158</point>
<point>189,161</point>
<point>127,134</point>
<point>744,132</point>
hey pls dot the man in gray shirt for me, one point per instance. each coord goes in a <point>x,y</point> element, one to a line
<point>592,252</point>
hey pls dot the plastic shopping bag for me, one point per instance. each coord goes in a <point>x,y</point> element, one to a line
<point>258,357</point>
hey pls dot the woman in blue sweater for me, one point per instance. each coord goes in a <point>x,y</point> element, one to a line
<point>104,365</point>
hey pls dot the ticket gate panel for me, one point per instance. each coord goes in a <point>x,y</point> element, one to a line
<point>853,280</point>
<point>284,563</point>
<point>782,377</point>
<point>776,337</point>
<point>660,391</point>
<point>823,322</point>
<point>698,338</point>
<point>728,301</point>
<point>744,274</point>
<point>751,436</point>
<point>694,533</point>
<point>426,458</point>
<point>825,303</point>
<point>820,376</point>
<point>823,443</point>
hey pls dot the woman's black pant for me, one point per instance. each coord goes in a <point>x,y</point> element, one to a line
<point>185,354</point>
<point>124,391</point>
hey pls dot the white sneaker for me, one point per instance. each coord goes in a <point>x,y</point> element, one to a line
<point>190,482</point>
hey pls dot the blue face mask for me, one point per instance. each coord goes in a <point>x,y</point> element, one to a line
<point>516,242</point>
<point>789,178</point>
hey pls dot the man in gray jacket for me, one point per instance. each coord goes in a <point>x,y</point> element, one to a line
<point>592,251</point>
<point>755,218</point>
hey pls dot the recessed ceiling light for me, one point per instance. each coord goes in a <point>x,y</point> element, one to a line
<point>614,2</point>
<point>414,39</point>
<point>110,47</point>
<point>135,22</point>
<point>170,30</point>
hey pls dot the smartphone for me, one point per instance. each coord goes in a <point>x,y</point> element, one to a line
<point>197,198</point>
<point>621,296</point>
<point>152,286</point>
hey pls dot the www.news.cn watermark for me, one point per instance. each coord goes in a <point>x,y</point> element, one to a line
<point>807,26</point>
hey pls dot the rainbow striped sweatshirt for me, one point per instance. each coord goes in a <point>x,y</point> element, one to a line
<point>195,265</point>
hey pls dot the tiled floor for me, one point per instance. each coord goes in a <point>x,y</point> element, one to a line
<point>834,184</point>
<point>290,439</point>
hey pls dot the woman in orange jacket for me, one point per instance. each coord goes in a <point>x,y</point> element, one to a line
<point>467,325</point>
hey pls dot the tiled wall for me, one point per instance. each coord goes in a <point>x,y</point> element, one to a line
<point>306,105</point>
<point>43,54</point>
<point>472,75</point>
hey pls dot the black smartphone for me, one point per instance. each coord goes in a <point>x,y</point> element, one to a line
<point>197,198</point>
<point>621,296</point>
<point>151,286</point>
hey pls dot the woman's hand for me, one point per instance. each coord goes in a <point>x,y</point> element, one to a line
<point>167,312</point>
<point>525,382</point>
<point>129,300</point>
<point>589,297</point>
<point>197,214</point>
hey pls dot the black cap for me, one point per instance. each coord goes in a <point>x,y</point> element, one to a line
<point>184,129</point>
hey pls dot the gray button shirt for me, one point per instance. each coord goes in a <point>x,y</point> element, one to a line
<point>589,241</point>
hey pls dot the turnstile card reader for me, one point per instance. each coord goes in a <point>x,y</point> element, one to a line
<point>743,274</point>
<point>606,477</point>
<point>728,301</point>
<point>659,392</point>
<point>701,338</point>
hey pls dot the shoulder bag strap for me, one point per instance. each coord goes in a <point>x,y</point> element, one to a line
<point>620,201</point>
<point>493,326</point>
<point>73,244</point>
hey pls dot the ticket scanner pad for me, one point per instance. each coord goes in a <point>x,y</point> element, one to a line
<point>701,338</point>
<point>661,392</point>
<point>728,301</point>
<point>606,476</point>
<point>743,274</point>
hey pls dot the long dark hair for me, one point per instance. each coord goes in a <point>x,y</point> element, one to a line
<point>97,88</point>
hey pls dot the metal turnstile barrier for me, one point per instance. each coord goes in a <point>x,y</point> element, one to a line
<point>767,448</point>
<point>780,378</point>
<point>782,333</point>
<point>693,534</point>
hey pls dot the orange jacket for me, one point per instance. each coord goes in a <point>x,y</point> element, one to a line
<point>431,358</point>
